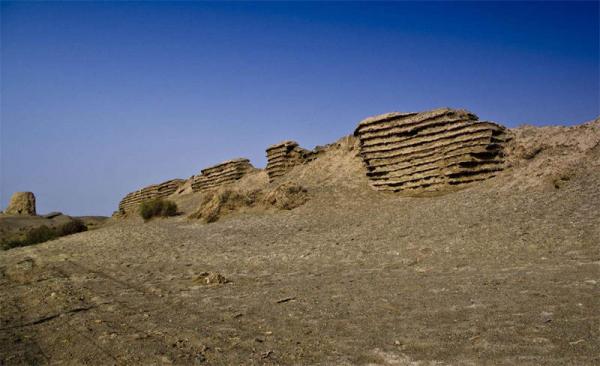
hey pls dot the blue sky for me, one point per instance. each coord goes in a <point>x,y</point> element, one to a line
<point>101,98</point>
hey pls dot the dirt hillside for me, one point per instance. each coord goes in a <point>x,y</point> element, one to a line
<point>503,272</point>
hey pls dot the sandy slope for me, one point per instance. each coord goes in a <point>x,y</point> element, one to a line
<point>505,272</point>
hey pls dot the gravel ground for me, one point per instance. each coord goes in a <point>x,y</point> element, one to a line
<point>482,276</point>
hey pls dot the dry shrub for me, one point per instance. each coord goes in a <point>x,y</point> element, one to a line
<point>34,236</point>
<point>561,179</point>
<point>43,234</point>
<point>72,227</point>
<point>286,196</point>
<point>157,208</point>
<point>211,278</point>
<point>217,204</point>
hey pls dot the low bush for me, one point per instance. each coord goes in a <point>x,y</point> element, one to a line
<point>286,196</point>
<point>216,204</point>
<point>72,227</point>
<point>33,236</point>
<point>44,233</point>
<point>7,244</point>
<point>157,208</point>
<point>40,235</point>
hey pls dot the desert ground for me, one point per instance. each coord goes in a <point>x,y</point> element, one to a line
<point>503,272</point>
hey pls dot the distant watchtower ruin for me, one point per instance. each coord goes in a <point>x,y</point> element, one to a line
<point>21,203</point>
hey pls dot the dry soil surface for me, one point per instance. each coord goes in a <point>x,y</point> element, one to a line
<point>488,275</point>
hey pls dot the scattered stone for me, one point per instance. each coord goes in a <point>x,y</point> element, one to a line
<point>166,360</point>
<point>52,215</point>
<point>546,316</point>
<point>200,358</point>
<point>211,278</point>
<point>21,203</point>
<point>287,299</point>
<point>22,271</point>
<point>528,153</point>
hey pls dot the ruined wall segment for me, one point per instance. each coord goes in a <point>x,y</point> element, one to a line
<point>131,201</point>
<point>284,156</point>
<point>429,150</point>
<point>221,174</point>
<point>21,203</point>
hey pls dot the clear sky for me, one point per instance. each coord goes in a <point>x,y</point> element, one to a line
<point>100,99</point>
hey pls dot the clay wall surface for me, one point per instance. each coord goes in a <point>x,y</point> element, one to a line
<point>429,150</point>
<point>162,190</point>
<point>284,156</point>
<point>221,174</point>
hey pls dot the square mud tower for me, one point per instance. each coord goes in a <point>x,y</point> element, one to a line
<point>221,174</point>
<point>284,156</point>
<point>429,151</point>
<point>131,201</point>
<point>21,203</point>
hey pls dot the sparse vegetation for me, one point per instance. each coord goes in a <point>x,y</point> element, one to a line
<point>40,235</point>
<point>33,236</point>
<point>157,208</point>
<point>44,233</point>
<point>286,196</point>
<point>218,203</point>
<point>72,227</point>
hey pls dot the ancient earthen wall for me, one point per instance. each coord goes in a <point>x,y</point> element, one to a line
<point>429,150</point>
<point>162,190</point>
<point>285,155</point>
<point>21,203</point>
<point>221,174</point>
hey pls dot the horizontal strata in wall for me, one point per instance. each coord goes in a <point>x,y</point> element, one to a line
<point>162,190</point>
<point>221,174</point>
<point>429,150</point>
<point>284,156</point>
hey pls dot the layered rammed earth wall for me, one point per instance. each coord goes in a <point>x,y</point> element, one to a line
<point>131,201</point>
<point>284,156</point>
<point>429,150</point>
<point>221,174</point>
